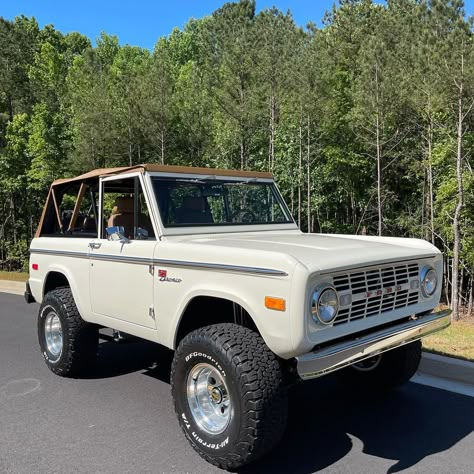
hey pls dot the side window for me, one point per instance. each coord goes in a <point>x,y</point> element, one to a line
<point>79,213</point>
<point>124,205</point>
<point>71,211</point>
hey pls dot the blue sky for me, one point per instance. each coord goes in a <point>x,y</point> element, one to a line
<point>142,22</point>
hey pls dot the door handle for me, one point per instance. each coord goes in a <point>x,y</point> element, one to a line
<point>94,245</point>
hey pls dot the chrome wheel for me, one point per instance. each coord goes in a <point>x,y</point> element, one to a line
<point>369,364</point>
<point>53,333</point>
<point>208,399</point>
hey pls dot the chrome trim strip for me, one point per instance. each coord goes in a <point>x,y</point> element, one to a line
<point>220,266</point>
<point>63,253</point>
<point>329,359</point>
<point>171,263</point>
<point>121,259</point>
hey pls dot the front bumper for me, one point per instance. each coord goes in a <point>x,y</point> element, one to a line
<point>320,362</point>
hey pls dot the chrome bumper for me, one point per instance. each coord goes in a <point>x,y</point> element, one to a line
<point>317,363</point>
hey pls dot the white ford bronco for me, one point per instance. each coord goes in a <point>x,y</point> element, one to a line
<point>210,264</point>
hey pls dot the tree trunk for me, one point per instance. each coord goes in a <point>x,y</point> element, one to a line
<point>308,177</point>
<point>459,204</point>
<point>469,305</point>
<point>271,151</point>
<point>379,154</point>
<point>300,165</point>
<point>461,299</point>
<point>447,281</point>
<point>162,146</point>
<point>13,213</point>
<point>424,204</point>
<point>292,200</point>
<point>320,226</point>
<point>430,179</point>
<point>130,140</point>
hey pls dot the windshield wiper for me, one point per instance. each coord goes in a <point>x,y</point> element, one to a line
<point>191,180</point>
<point>241,182</point>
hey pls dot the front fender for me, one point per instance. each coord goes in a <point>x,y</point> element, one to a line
<point>274,326</point>
<point>211,293</point>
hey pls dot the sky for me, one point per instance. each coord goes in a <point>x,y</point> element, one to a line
<point>142,22</point>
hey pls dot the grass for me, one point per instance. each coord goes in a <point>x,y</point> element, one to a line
<point>455,341</point>
<point>13,276</point>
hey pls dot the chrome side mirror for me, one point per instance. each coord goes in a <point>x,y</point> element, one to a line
<point>117,232</point>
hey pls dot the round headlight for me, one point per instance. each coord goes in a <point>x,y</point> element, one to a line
<point>324,305</point>
<point>429,281</point>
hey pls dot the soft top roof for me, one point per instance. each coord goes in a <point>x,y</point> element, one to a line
<point>163,169</point>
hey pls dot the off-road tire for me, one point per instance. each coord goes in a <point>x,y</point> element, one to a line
<point>80,339</point>
<point>258,393</point>
<point>396,367</point>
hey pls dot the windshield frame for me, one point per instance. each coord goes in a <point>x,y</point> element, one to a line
<point>185,229</point>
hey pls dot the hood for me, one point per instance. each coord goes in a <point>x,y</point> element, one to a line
<point>319,252</point>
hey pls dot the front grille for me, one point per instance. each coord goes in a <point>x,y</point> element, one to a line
<point>372,291</point>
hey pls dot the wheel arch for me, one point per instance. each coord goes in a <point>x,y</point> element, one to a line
<point>206,308</point>
<point>54,279</point>
<point>59,276</point>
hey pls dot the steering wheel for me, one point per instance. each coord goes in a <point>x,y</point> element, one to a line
<point>244,215</point>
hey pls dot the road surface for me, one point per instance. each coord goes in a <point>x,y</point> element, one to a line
<point>121,419</point>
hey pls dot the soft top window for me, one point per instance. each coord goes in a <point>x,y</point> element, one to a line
<point>71,211</point>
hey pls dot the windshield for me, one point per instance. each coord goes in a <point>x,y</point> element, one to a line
<point>208,202</point>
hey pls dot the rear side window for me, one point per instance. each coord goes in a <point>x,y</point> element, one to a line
<point>71,211</point>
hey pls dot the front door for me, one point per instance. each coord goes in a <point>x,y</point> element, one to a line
<point>121,279</point>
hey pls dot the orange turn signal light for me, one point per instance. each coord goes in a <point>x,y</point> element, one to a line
<point>278,304</point>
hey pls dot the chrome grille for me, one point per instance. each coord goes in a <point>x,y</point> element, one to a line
<point>373,291</point>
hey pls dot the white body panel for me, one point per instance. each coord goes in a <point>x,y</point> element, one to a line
<point>122,289</point>
<point>243,264</point>
<point>75,269</point>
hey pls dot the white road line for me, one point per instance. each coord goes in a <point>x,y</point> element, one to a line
<point>444,384</point>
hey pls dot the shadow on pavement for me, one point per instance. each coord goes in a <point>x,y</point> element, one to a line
<point>327,421</point>
<point>133,355</point>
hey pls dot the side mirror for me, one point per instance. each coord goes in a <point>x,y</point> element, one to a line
<point>117,232</point>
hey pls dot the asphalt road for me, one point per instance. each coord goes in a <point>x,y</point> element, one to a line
<point>121,419</point>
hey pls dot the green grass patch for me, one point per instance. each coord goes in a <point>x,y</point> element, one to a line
<point>455,341</point>
<point>13,276</point>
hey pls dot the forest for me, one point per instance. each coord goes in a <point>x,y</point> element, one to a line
<point>366,121</point>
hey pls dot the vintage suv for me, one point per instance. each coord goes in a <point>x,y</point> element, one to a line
<point>211,264</point>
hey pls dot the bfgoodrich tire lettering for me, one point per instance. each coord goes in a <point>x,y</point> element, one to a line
<point>79,338</point>
<point>253,379</point>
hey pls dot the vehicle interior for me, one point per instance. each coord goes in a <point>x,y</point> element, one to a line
<point>124,205</point>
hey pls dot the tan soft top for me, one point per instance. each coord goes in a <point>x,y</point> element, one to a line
<point>51,200</point>
<point>164,169</point>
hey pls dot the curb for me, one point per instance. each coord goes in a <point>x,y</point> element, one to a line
<point>447,368</point>
<point>13,287</point>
